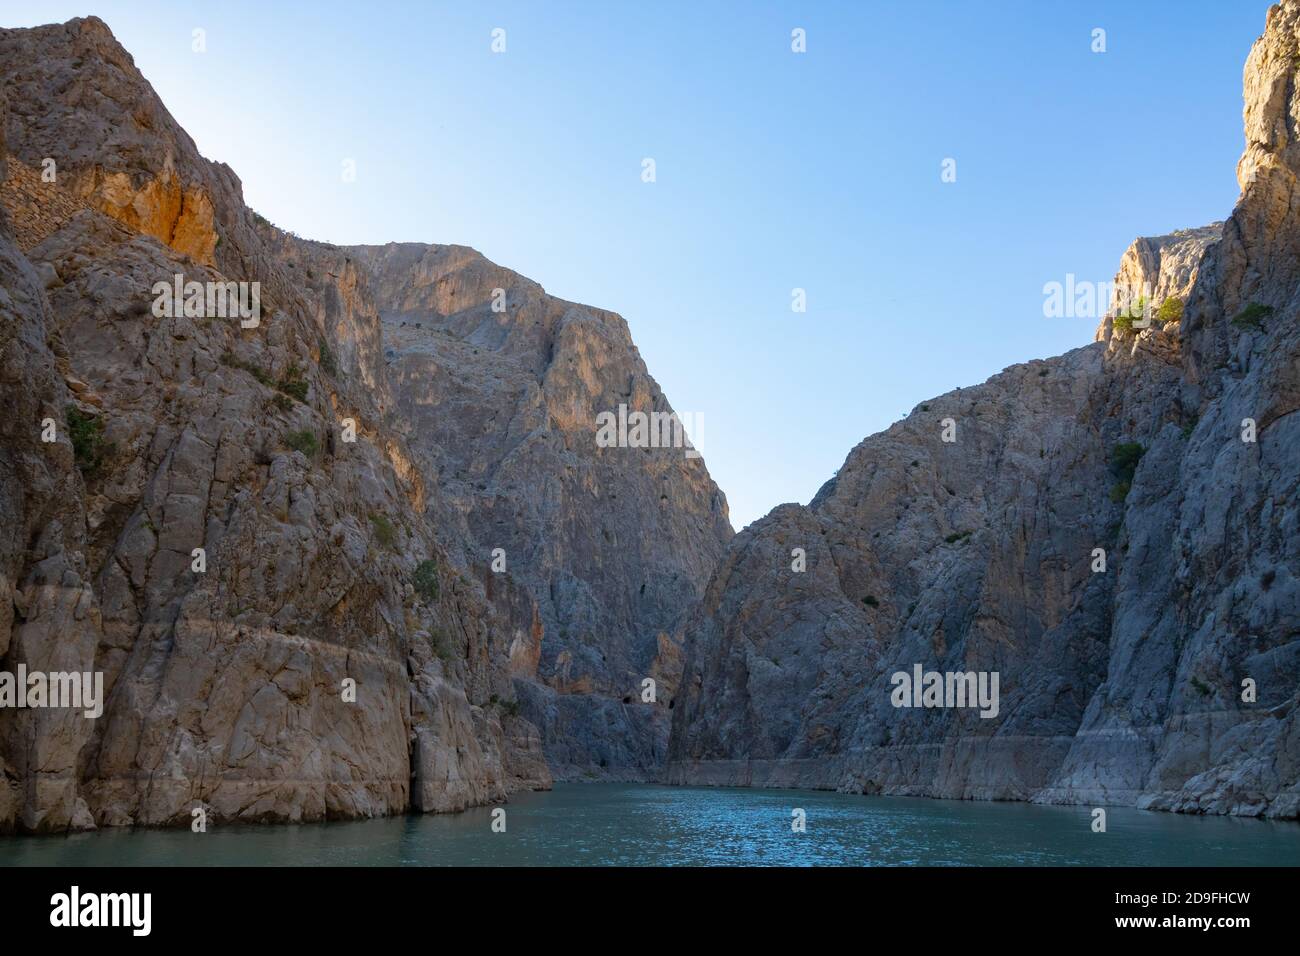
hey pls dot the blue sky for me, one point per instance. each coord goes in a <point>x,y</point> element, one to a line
<point>775,171</point>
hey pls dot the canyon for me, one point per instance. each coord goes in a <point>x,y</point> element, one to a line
<point>347,465</point>
<point>1166,681</point>
<point>425,584</point>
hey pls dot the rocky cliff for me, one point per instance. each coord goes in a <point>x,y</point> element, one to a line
<point>267,534</point>
<point>1112,532</point>
<point>143,434</point>
<point>600,551</point>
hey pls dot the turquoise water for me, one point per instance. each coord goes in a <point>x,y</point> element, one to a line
<point>636,824</point>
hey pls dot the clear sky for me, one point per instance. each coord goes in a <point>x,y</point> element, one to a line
<point>774,171</point>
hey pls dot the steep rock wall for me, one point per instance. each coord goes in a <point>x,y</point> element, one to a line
<point>605,548</point>
<point>227,687</point>
<point>1124,686</point>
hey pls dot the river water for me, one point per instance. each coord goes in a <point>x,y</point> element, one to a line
<point>645,824</point>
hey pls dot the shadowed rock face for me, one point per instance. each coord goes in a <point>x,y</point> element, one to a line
<point>227,688</point>
<point>328,561</point>
<point>1123,686</point>
<point>605,549</point>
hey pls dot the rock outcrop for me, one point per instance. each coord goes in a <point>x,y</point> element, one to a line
<point>1156,269</point>
<point>1169,679</point>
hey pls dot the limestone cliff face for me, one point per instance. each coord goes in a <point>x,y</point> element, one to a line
<point>604,549</point>
<point>1116,686</point>
<point>227,687</point>
<point>328,560</point>
<point>1158,268</point>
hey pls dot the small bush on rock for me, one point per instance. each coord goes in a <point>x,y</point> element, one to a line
<point>1252,317</point>
<point>1171,310</point>
<point>293,384</point>
<point>385,532</point>
<point>304,441</point>
<point>86,432</point>
<point>1124,460</point>
<point>426,580</point>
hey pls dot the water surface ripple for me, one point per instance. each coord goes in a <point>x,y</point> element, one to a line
<point>640,824</point>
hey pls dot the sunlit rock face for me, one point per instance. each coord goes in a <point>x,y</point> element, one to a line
<point>1167,680</point>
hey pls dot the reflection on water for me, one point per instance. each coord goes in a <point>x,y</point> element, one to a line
<point>632,824</point>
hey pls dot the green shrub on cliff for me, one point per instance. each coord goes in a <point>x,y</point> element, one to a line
<point>293,384</point>
<point>426,580</point>
<point>86,432</point>
<point>1124,460</point>
<point>304,441</point>
<point>1171,310</point>
<point>328,364</point>
<point>1125,318</point>
<point>441,645</point>
<point>385,531</point>
<point>1252,316</point>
